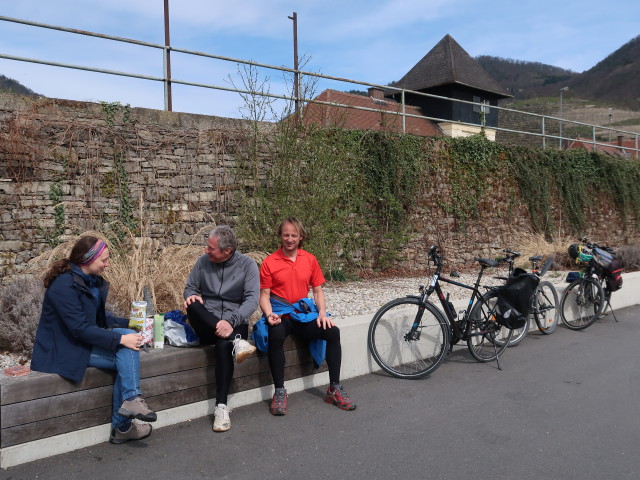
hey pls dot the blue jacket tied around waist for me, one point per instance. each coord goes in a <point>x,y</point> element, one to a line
<point>304,310</point>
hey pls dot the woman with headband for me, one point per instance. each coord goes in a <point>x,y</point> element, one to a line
<point>75,332</point>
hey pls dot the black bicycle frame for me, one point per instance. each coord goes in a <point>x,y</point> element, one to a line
<point>435,287</point>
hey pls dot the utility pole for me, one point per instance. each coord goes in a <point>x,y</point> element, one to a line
<point>167,60</point>
<point>296,74</point>
<point>610,117</point>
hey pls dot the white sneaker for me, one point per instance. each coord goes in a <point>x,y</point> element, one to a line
<point>241,349</point>
<point>221,421</point>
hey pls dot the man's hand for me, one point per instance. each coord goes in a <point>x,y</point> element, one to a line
<point>223,329</point>
<point>324,322</point>
<point>191,299</point>
<point>273,319</point>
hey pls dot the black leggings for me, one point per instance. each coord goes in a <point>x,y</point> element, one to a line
<point>309,331</point>
<point>204,324</point>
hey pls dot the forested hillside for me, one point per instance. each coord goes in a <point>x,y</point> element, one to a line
<point>10,85</point>
<point>615,80</point>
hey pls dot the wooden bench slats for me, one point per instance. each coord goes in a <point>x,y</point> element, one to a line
<point>17,434</point>
<point>54,426</point>
<point>39,409</point>
<point>43,408</point>
<point>156,362</point>
<point>40,385</point>
<point>41,405</point>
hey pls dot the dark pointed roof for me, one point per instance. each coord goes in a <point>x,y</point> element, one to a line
<point>448,63</point>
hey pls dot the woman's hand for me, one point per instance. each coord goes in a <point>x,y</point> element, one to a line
<point>273,319</point>
<point>131,340</point>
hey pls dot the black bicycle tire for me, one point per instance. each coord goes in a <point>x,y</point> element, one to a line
<point>569,293</point>
<point>549,329</point>
<point>519,334</point>
<point>486,316</point>
<point>376,350</point>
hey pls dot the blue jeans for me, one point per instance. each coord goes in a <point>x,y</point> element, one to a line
<point>126,363</point>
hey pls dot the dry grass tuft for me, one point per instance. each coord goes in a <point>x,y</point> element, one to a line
<point>535,244</point>
<point>139,262</point>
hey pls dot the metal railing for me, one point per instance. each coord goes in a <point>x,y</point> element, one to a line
<point>541,130</point>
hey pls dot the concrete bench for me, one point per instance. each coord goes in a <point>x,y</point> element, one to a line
<point>45,410</point>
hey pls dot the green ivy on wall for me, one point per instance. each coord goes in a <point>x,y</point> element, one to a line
<point>357,190</point>
<point>55,195</point>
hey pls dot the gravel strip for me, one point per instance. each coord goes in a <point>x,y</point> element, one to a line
<point>364,297</point>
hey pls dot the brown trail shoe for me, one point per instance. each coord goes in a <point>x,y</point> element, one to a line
<point>137,431</point>
<point>137,408</point>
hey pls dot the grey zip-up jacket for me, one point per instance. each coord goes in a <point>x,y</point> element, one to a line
<point>230,290</point>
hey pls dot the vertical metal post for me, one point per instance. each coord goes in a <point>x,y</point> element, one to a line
<point>296,74</point>
<point>544,137</point>
<point>404,117</point>
<point>563,89</point>
<point>167,60</point>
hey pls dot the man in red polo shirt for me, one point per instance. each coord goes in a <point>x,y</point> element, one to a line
<point>287,275</point>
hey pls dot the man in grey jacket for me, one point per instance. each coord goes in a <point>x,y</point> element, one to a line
<point>222,292</point>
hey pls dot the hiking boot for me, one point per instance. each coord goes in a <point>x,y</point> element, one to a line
<point>279,402</point>
<point>221,421</point>
<point>339,397</point>
<point>241,349</point>
<point>137,408</point>
<point>137,431</point>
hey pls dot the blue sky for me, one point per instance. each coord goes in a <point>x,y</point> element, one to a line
<point>375,41</point>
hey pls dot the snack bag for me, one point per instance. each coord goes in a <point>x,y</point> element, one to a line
<point>137,316</point>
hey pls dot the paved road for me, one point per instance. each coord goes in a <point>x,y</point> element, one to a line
<point>563,407</point>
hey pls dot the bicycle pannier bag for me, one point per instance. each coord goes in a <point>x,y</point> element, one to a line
<point>514,300</point>
<point>614,275</point>
<point>602,256</point>
<point>571,276</point>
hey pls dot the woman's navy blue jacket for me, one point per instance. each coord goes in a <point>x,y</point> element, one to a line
<point>71,324</point>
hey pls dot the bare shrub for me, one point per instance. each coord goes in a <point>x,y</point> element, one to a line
<point>20,304</point>
<point>629,255</point>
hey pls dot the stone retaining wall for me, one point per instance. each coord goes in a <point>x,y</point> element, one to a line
<point>68,167</point>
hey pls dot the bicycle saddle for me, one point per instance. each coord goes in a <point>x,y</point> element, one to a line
<point>486,262</point>
<point>537,258</point>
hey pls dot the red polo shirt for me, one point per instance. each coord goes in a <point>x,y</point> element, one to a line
<point>290,280</point>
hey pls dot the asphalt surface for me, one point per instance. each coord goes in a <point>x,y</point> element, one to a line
<point>564,406</point>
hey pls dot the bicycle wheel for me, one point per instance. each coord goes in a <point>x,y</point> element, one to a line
<point>402,352</point>
<point>487,338</point>
<point>518,334</point>
<point>581,304</point>
<point>545,307</point>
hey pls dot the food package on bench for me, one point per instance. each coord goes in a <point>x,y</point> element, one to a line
<point>147,332</point>
<point>158,331</point>
<point>137,316</point>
